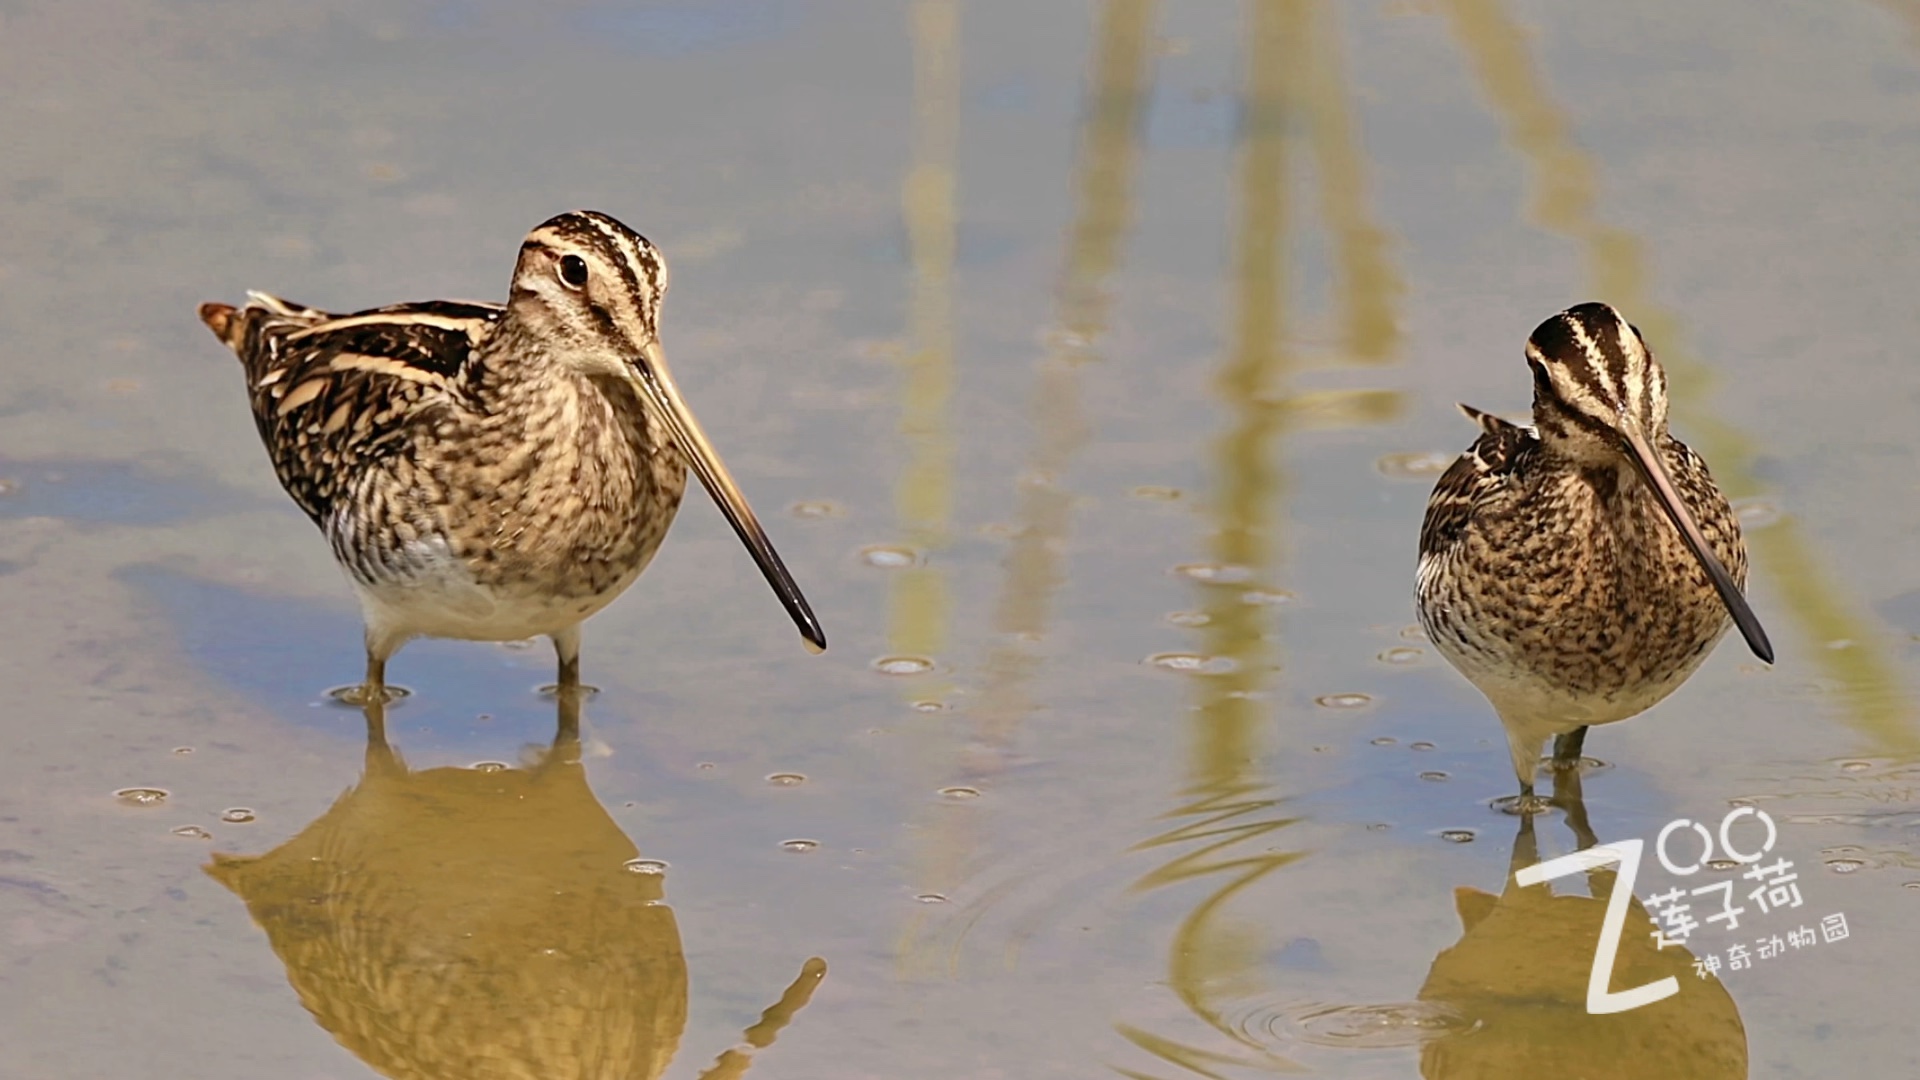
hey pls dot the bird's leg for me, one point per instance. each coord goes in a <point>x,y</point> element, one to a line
<point>566,645</point>
<point>1566,750</point>
<point>1526,760</point>
<point>374,688</point>
<point>381,645</point>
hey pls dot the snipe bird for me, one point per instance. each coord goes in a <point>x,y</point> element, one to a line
<point>486,471</point>
<point>1578,571</point>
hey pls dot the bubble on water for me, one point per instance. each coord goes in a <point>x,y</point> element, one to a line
<point>799,847</point>
<point>520,644</point>
<point>1722,864</point>
<point>1156,493</point>
<point>1385,740</point>
<point>1757,513</point>
<point>1401,655</point>
<point>1855,766</point>
<point>141,796</point>
<point>1266,597</point>
<point>237,815</point>
<point>705,766</point>
<point>1845,866</point>
<point>1192,663</point>
<point>1457,836</point>
<point>1213,573</point>
<point>1343,701</point>
<point>1414,632</point>
<point>958,792</point>
<point>1420,746</point>
<point>786,779</point>
<point>890,556</point>
<point>654,867</point>
<point>1414,464</point>
<point>1914,885</point>
<point>489,766</point>
<point>183,750</point>
<point>814,509</point>
<point>903,665</point>
<point>930,705</point>
<point>191,832</point>
<point>931,898</point>
<point>1189,618</point>
<point>1435,775</point>
<point>1378,826</point>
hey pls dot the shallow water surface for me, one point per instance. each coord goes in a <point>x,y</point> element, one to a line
<point>1090,366</point>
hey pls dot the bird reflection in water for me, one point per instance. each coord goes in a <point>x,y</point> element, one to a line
<point>483,922</point>
<point>1517,982</point>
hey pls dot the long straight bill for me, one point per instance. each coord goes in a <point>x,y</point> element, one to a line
<point>1655,474</point>
<point>656,384</point>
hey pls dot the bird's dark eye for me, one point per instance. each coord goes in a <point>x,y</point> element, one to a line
<point>573,271</point>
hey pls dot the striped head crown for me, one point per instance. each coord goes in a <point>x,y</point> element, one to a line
<point>1593,374</point>
<point>591,285</point>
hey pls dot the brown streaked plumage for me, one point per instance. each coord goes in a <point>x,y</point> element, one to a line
<point>1578,571</point>
<point>484,471</point>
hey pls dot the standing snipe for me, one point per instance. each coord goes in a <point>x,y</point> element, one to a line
<point>1578,571</point>
<point>491,472</point>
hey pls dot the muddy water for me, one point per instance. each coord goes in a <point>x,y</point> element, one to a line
<point>1090,365</point>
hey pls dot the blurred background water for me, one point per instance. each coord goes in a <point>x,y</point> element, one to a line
<point>1091,364</point>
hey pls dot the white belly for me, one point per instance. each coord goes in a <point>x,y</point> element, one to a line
<point>1548,709</point>
<point>437,596</point>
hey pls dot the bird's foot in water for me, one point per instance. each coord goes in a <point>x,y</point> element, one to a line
<point>1524,804</point>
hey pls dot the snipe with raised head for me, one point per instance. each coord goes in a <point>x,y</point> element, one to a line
<point>1578,571</point>
<point>485,471</point>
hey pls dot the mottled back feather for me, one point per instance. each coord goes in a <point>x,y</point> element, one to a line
<point>332,394</point>
<point>1487,463</point>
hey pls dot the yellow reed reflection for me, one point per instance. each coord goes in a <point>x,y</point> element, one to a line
<point>1226,824</point>
<point>1367,284</point>
<point>923,497</point>
<point>480,923</point>
<point>920,608</point>
<point>1514,987</point>
<point>1119,87</point>
<point>1565,180</point>
<point>1226,808</point>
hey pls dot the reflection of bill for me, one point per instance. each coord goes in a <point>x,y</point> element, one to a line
<point>1519,981</point>
<point>482,922</point>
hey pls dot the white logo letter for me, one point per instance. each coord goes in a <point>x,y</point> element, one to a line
<point>1706,841</point>
<point>1627,854</point>
<point>1773,834</point>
